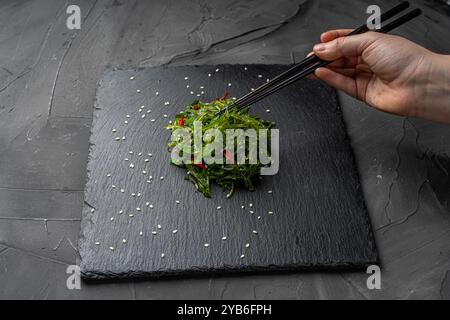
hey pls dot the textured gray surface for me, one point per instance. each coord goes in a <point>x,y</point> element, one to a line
<point>48,77</point>
<point>319,219</point>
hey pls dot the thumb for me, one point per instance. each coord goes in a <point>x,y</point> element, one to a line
<point>349,46</point>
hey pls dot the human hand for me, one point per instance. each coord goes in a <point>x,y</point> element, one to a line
<point>387,72</point>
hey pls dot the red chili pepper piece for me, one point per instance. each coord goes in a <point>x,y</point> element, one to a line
<point>181,122</point>
<point>200,165</point>
<point>228,155</point>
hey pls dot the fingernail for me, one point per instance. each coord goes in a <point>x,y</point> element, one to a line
<point>319,47</point>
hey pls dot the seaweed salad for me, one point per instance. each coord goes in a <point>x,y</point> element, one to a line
<point>231,171</point>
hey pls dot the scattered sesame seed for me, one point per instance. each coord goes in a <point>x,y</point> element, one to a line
<point>253,89</point>
<point>97,243</point>
<point>255,232</point>
<point>259,76</point>
<point>138,90</point>
<point>209,74</point>
<point>219,207</point>
<point>123,138</point>
<point>114,130</point>
<point>117,138</point>
<point>154,233</point>
<point>113,186</point>
<point>140,154</point>
<point>127,116</point>
<point>198,94</point>
<point>270,212</point>
<point>153,120</point>
<point>267,110</point>
<point>269,191</point>
<point>267,80</point>
<point>133,194</point>
<point>122,190</point>
<point>245,68</point>
<point>259,217</point>
<point>92,210</point>
<point>126,122</point>
<point>149,111</point>
<point>177,201</point>
<point>149,181</point>
<point>111,248</point>
<point>149,154</point>
<point>138,209</point>
<point>143,116</point>
<point>252,212</point>
<point>131,215</point>
<point>166,103</point>
<point>250,205</point>
<point>187,86</point>
<point>147,160</point>
<point>242,207</point>
<point>121,211</point>
<point>131,165</point>
<point>224,238</point>
<point>140,110</point>
<point>161,178</point>
<point>174,231</point>
<point>124,240</point>
<point>192,92</point>
<point>203,92</point>
<point>132,78</point>
<point>141,233</point>
<point>144,172</point>
<point>186,78</point>
<point>165,115</point>
<point>108,175</point>
<point>126,159</point>
<point>159,226</point>
<point>242,256</point>
<point>206,245</point>
<point>157,93</point>
<point>151,206</point>
<point>247,245</point>
<point>162,255</point>
<point>229,84</point>
<point>112,219</point>
<point>217,70</point>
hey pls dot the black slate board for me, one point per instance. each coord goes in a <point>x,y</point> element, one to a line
<point>319,221</point>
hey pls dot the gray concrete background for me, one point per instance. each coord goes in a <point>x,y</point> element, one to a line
<point>48,76</point>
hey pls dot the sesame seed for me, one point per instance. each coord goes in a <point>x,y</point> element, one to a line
<point>150,155</point>
<point>123,138</point>
<point>127,116</point>
<point>259,217</point>
<point>209,74</point>
<point>143,116</point>
<point>138,209</point>
<point>153,120</point>
<point>203,92</point>
<point>111,248</point>
<point>114,130</point>
<point>108,175</point>
<point>174,231</point>
<point>269,191</point>
<point>242,207</point>
<point>132,78</point>
<point>161,178</point>
<point>140,110</point>
<point>187,86</point>
<point>131,165</point>
<point>259,76</point>
<point>147,160</point>
<point>192,92</point>
<point>113,186</point>
<point>122,190</point>
<point>126,159</point>
<point>151,206</point>
<point>206,245</point>
<point>267,110</point>
<point>219,207</point>
<point>121,211</point>
<point>97,243</point>
<point>154,233</point>
<point>166,103</point>
<point>267,80</point>
<point>250,205</point>
<point>186,78</point>
<point>270,212</point>
<point>141,233</point>
<point>177,201</point>
<point>224,238</point>
<point>149,181</point>
<point>124,240</point>
<point>162,255</point>
<point>133,194</point>
<point>159,226</point>
<point>247,245</point>
<point>131,215</point>
<point>157,93</point>
<point>253,89</point>
<point>255,232</point>
<point>165,115</point>
<point>92,210</point>
<point>229,84</point>
<point>198,95</point>
<point>245,68</point>
<point>112,219</point>
<point>144,172</point>
<point>147,204</point>
<point>138,90</point>
<point>251,211</point>
<point>117,138</point>
<point>242,256</point>
<point>139,194</point>
<point>148,111</point>
<point>217,70</point>
<point>126,122</point>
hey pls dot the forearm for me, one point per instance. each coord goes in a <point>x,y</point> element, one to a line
<point>434,93</point>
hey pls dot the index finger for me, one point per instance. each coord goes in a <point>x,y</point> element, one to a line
<point>333,34</point>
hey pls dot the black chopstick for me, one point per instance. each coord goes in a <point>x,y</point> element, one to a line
<point>313,58</point>
<point>392,25</point>
<point>314,62</point>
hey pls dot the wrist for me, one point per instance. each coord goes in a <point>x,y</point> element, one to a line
<point>434,93</point>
